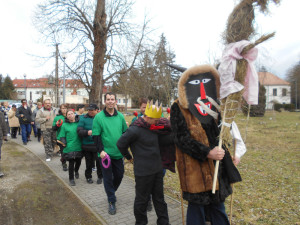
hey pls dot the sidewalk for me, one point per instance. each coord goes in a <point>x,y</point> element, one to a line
<point>94,195</point>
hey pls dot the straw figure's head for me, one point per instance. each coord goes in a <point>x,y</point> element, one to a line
<point>198,91</point>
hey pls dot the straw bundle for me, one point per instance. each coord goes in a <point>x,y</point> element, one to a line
<point>239,27</point>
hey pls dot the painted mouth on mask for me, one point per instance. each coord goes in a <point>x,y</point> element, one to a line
<point>201,110</point>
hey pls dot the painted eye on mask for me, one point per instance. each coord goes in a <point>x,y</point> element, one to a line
<point>194,82</point>
<point>204,81</point>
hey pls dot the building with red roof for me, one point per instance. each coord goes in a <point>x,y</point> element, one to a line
<point>277,89</point>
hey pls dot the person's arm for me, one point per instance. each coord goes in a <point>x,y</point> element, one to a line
<point>61,138</point>
<point>39,118</point>
<point>240,147</point>
<point>18,113</point>
<point>80,129</point>
<point>183,139</point>
<point>3,126</point>
<point>96,132</point>
<point>125,141</point>
<point>11,114</point>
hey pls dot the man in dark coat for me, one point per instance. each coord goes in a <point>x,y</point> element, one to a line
<point>24,114</point>
<point>3,133</point>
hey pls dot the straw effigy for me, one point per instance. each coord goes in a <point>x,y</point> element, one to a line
<point>239,27</point>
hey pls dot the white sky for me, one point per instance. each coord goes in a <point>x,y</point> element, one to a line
<point>193,28</point>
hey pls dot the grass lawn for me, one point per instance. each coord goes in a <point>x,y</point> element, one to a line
<point>269,192</point>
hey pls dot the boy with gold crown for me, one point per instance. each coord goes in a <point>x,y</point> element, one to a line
<point>144,137</point>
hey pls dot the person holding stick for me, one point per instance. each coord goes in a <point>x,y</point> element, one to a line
<point>194,120</point>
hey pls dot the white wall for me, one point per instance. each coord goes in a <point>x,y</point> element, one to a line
<point>279,98</point>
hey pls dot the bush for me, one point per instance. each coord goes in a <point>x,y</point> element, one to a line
<point>256,110</point>
<point>287,107</point>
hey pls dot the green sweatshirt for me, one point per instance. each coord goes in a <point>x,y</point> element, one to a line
<point>58,117</point>
<point>110,128</point>
<point>69,131</point>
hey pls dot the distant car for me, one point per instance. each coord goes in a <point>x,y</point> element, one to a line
<point>18,104</point>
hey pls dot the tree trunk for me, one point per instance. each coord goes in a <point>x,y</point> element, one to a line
<point>100,36</point>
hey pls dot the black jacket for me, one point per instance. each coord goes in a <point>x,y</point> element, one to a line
<point>144,145</point>
<point>26,119</point>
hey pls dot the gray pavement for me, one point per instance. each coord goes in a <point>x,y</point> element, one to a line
<point>94,196</point>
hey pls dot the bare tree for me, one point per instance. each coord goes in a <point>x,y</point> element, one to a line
<point>94,33</point>
<point>293,77</point>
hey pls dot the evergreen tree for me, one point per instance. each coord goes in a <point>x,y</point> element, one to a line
<point>8,89</point>
<point>164,76</point>
<point>260,108</point>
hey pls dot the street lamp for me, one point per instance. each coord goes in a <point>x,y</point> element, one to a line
<point>64,56</point>
<point>25,86</point>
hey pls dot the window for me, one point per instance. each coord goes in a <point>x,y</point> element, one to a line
<point>37,92</point>
<point>21,92</point>
<point>78,93</point>
<point>284,92</point>
<point>125,101</point>
<point>274,91</point>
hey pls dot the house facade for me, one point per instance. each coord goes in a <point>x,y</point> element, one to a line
<point>35,89</point>
<point>277,90</point>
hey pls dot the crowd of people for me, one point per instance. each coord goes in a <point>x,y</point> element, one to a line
<point>104,138</point>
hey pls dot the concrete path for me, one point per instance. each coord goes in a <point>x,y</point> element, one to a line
<point>94,196</point>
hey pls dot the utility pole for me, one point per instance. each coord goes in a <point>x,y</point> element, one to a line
<point>56,77</point>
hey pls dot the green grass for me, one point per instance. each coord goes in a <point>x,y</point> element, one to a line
<point>269,192</point>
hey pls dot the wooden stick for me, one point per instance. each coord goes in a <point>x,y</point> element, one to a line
<point>220,146</point>
<point>231,201</point>
<point>182,210</point>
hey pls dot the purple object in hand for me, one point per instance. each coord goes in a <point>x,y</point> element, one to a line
<point>106,157</point>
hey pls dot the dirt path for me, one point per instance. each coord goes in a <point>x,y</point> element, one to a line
<point>31,194</point>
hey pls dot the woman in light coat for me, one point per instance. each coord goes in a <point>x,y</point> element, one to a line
<point>13,121</point>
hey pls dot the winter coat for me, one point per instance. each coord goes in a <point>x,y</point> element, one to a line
<point>3,128</point>
<point>12,119</point>
<point>26,118</point>
<point>41,118</point>
<point>33,116</point>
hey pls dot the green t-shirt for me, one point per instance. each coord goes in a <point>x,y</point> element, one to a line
<point>110,128</point>
<point>69,131</point>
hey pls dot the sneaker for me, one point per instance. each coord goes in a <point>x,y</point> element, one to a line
<point>24,143</point>
<point>8,135</point>
<point>1,174</point>
<point>76,175</point>
<point>72,182</point>
<point>94,169</point>
<point>112,208</point>
<point>48,159</point>
<point>65,167</point>
<point>28,139</point>
<point>99,181</point>
<point>149,206</point>
<point>90,180</point>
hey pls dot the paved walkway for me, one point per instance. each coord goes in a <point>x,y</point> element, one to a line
<point>94,195</point>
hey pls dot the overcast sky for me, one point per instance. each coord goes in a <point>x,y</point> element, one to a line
<point>193,29</point>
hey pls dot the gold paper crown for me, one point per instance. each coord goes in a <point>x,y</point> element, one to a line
<point>153,112</point>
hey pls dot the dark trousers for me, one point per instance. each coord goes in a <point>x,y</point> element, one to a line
<point>26,130</point>
<point>144,187</point>
<point>196,214</point>
<point>90,157</point>
<point>74,165</point>
<point>39,134</point>
<point>112,177</point>
<point>14,131</point>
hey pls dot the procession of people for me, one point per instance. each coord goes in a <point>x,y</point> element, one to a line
<point>187,136</point>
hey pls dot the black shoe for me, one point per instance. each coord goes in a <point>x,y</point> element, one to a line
<point>1,174</point>
<point>24,143</point>
<point>65,167</point>
<point>28,139</point>
<point>99,181</point>
<point>76,175</point>
<point>112,208</point>
<point>89,180</point>
<point>149,206</point>
<point>72,183</point>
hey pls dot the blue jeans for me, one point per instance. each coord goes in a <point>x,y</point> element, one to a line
<point>196,214</point>
<point>26,130</point>
<point>112,177</point>
<point>34,128</point>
